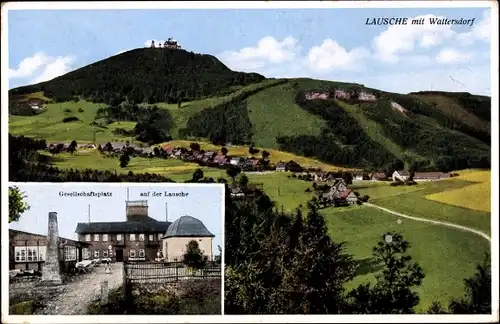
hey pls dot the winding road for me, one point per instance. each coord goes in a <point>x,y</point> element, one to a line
<point>459,227</point>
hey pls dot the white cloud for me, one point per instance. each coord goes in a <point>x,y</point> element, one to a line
<point>452,56</point>
<point>41,67</point>
<point>267,51</point>
<point>399,39</point>
<point>29,66</point>
<point>480,31</point>
<point>57,67</point>
<point>331,56</point>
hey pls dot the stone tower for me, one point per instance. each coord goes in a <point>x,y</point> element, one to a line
<point>51,272</point>
<point>136,210</point>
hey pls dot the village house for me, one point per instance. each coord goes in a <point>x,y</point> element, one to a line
<point>365,96</point>
<point>236,161</point>
<point>138,238</point>
<point>430,176</point>
<point>281,166</point>
<point>377,176</point>
<point>342,94</point>
<point>339,193</point>
<point>27,251</point>
<point>358,176</point>
<point>317,95</point>
<point>400,175</point>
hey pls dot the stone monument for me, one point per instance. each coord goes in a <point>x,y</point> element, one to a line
<point>51,272</point>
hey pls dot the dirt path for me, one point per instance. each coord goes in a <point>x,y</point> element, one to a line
<point>459,227</point>
<point>77,295</point>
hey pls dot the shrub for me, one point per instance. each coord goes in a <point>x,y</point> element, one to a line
<point>70,119</point>
<point>67,110</point>
<point>80,110</point>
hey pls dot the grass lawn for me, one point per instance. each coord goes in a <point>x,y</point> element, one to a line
<point>275,155</point>
<point>266,114</point>
<point>93,159</point>
<point>49,125</point>
<point>412,201</point>
<point>447,256</point>
<point>182,114</point>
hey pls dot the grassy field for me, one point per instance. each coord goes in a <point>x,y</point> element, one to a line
<point>93,159</point>
<point>182,114</point>
<point>50,126</point>
<point>467,197</point>
<point>452,109</point>
<point>266,110</point>
<point>275,155</point>
<point>447,256</point>
<point>412,200</point>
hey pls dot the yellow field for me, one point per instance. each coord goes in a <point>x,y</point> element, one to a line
<point>475,197</point>
<point>275,155</point>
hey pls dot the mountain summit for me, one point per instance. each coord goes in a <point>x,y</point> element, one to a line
<point>145,74</point>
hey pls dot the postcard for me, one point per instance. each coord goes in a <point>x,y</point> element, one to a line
<point>100,249</point>
<point>351,145</point>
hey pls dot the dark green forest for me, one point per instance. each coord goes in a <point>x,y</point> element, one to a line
<point>145,75</point>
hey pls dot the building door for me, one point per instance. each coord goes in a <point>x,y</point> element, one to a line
<point>119,255</point>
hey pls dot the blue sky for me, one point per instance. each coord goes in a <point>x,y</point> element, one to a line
<point>204,203</point>
<point>332,44</point>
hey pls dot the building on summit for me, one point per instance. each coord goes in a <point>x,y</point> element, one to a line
<point>169,43</point>
<point>141,237</point>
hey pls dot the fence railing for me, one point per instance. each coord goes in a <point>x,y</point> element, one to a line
<point>148,272</point>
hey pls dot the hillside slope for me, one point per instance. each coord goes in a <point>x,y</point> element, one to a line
<point>145,74</point>
<point>155,95</point>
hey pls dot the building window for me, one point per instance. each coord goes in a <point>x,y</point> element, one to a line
<point>96,253</point>
<point>86,253</point>
<point>69,253</point>
<point>141,253</point>
<point>118,237</point>
<point>29,253</point>
<point>104,237</point>
<point>105,253</point>
<point>159,236</point>
<point>96,237</point>
<point>32,254</point>
<point>141,237</point>
<point>151,237</point>
<point>132,253</point>
<point>87,238</point>
<point>132,237</point>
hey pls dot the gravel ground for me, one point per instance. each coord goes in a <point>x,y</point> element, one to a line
<point>79,294</point>
<point>70,298</point>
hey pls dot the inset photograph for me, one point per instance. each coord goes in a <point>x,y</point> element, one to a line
<point>96,249</point>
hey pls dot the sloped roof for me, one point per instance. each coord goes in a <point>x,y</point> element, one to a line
<point>403,173</point>
<point>187,226</point>
<point>132,226</point>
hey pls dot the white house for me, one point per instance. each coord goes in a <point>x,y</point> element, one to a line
<point>180,233</point>
<point>400,175</point>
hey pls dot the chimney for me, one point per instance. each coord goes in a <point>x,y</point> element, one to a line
<point>51,273</point>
